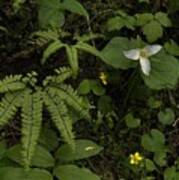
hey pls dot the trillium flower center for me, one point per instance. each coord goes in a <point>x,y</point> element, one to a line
<point>143,53</point>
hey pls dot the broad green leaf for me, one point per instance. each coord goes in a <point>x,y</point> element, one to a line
<point>84,87</point>
<point>143,19</point>
<point>167,116</point>
<point>132,122</point>
<point>171,173</point>
<point>163,19</point>
<point>72,172</point>
<point>49,14</point>
<point>150,166</point>
<point>164,73</point>
<point>42,158</point>
<point>51,49</point>
<point>154,142</point>
<point>115,23</point>
<point>12,173</point>
<point>75,7</point>
<point>153,31</point>
<point>113,54</point>
<point>48,139</point>
<point>172,48</point>
<point>83,149</point>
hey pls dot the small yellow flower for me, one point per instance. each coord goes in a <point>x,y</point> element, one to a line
<point>136,158</point>
<point>103,78</point>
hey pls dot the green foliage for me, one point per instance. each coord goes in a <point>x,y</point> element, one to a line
<point>57,98</point>
<point>84,149</point>
<point>167,116</point>
<point>69,172</point>
<point>171,174</point>
<point>172,48</point>
<point>12,173</point>
<point>132,122</point>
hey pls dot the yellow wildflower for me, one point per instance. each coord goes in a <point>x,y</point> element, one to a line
<point>103,78</point>
<point>135,158</point>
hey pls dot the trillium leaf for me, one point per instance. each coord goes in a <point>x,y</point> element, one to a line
<point>72,172</point>
<point>153,30</point>
<point>113,54</point>
<point>164,72</point>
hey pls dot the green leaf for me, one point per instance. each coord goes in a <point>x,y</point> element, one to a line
<point>97,88</point>
<point>150,166</point>
<point>115,23</point>
<point>154,142</point>
<point>132,122</point>
<point>113,54</point>
<point>164,73</point>
<point>167,116</point>
<point>143,19</point>
<point>17,4</point>
<point>49,14</point>
<point>48,139</point>
<point>105,104</point>
<point>51,49</point>
<point>75,7</point>
<point>172,48</point>
<point>42,158</point>
<point>171,173</point>
<point>163,19</point>
<point>11,173</point>
<point>72,172</point>
<point>153,31</point>
<point>83,149</point>
<point>160,158</point>
<point>72,58</point>
<point>84,87</point>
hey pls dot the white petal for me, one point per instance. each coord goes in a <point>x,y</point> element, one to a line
<point>132,54</point>
<point>153,49</point>
<point>145,66</point>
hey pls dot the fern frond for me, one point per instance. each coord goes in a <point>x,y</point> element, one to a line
<point>11,83</point>
<point>31,124</point>
<point>63,73</point>
<point>70,96</point>
<point>9,105</point>
<point>59,114</point>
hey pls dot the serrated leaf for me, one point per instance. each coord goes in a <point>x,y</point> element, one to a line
<point>115,23</point>
<point>153,31</point>
<point>51,49</point>
<point>163,19</point>
<point>72,172</point>
<point>144,18</point>
<point>132,122</point>
<point>83,149</point>
<point>172,48</point>
<point>164,73</point>
<point>12,173</point>
<point>167,116</point>
<point>154,142</point>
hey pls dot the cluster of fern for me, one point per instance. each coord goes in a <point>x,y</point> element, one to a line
<point>59,99</point>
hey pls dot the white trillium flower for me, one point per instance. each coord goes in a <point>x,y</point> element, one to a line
<point>143,56</point>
